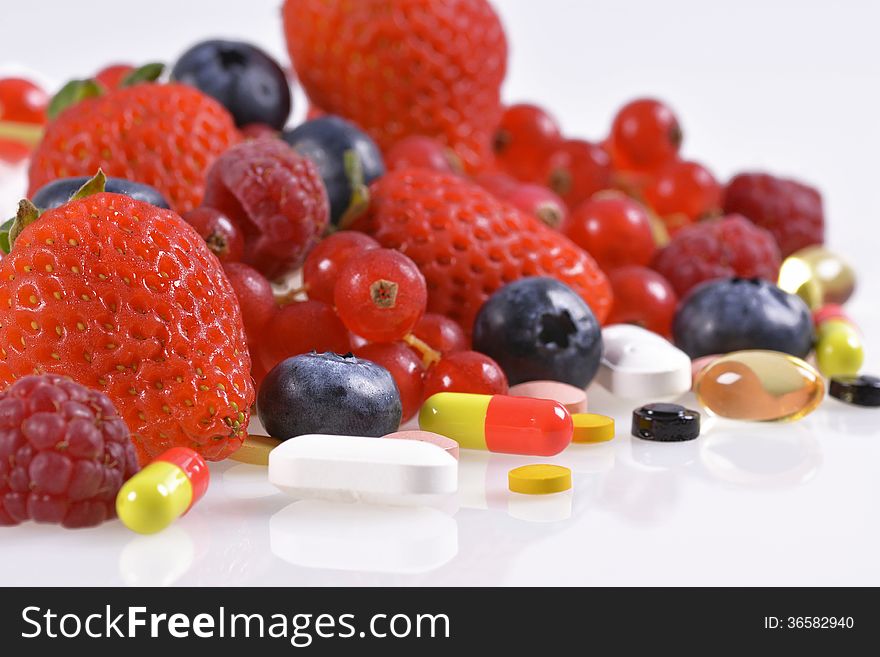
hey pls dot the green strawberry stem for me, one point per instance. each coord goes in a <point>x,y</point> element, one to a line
<point>28,213</point>
<point>25,133</point>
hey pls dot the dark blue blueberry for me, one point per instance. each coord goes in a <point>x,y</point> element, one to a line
<point>58,192</point>
<point>328,393</point>
<point>538,328</point>
<point>243,78</point>
<point>732,314</point>
<point>325,141</point>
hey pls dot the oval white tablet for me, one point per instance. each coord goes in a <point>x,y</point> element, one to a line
<point>639,363</point>
<point>356,468</point>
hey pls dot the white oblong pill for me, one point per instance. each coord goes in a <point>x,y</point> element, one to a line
<point>637,363</point>
<point>357,468</point>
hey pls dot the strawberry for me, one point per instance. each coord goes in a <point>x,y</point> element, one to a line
<point>468,243</point>
<point>165,135</point>
<point>404,67</point>
<point>126,298</point>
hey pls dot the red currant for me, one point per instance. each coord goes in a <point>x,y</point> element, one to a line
<point>525,138</point>
<point>577,170</point>
<point>683,192</point>
<point>220,233</point>
<point>643,297</point>
<point>540,202</point>
<point>614,229</point>
<point>424,153</point>
<point>466,371</point>
<point>112,76</point>
<point>441,333</point>
<point>645,135</point>
<point>380,294</point>
<point>255,297</point>
<point>405,367</point>
<point>324,262</point>
<point>22,104</point>
<point>299,328</point>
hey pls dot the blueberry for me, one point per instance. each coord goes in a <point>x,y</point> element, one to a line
<point>243,78</point>
<point>732,314</point>
<point>58,192</point>
<point>538,328</point>
<point>328,393</point>
<point>325,141</point>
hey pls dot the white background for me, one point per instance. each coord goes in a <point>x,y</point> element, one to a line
<point>790,87</point>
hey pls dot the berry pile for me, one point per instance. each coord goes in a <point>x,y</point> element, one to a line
<point>414,232</point>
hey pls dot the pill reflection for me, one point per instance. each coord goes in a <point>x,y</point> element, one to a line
<point>157,559</point>
<point>365,538</point>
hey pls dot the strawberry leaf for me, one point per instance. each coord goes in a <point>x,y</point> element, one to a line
<point>4,236</point>
<point>72,93</point>
<point>28,213</point>
<point>94,185</point>
<point>146,73</point>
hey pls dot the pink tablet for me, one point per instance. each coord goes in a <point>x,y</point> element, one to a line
<point>574,399</point>
<point>427,437</point>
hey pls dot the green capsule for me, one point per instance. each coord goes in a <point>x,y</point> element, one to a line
<point>839,350</point>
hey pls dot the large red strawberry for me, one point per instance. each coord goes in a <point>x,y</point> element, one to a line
<point>467,243</point>
<point>403,67</point>
<point>126,298</point>
<point>165,135</point>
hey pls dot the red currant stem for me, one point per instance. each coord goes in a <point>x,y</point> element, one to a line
<point>25,133</point>
<point>429,354</point>
<point>290,296</point>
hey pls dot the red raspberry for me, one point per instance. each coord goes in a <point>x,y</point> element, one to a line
<point>718,248</point>
<point>165,135</point>
<point>790,210</point>
<point>404,67</point>
<point>277,199</point>
<point>468,243</point>
<point>64,453</point>
<point>577,170</point>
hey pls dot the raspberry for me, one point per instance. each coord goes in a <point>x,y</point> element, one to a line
<point>64,453</point>
<point>718,248</point>
<point>276,198</point>
<point>790,210</point>
<point>467,243</point>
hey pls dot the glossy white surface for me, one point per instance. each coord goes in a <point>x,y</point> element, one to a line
<point>789,86</point>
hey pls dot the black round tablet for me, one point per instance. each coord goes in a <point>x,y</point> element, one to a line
<point>665,423</point>
<point>863,390</point>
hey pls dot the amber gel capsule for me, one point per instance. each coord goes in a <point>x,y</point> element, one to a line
<point>499,423</point>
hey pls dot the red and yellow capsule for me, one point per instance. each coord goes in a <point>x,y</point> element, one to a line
<point>499,423</point>
<point>163,491</point>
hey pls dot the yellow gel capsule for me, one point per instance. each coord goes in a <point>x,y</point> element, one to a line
<point>154,498</point>
<point>255,450</point>
<point>592,428</point>
<point>760,385</point>
<point>541,479</point>
<point>839,350</point>
<point>818,276</point>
